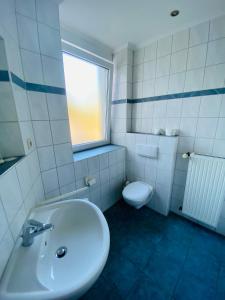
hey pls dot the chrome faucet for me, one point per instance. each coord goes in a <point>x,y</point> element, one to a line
<point>32,228</point>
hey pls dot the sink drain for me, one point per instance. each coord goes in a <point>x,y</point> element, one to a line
<point>61,252</point>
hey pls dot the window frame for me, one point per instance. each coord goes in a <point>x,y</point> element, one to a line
<point>99,61</point>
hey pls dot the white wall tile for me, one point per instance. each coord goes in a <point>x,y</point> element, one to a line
<point>18,222</point>
<point>199,34</point>
<point>147,109</point>
<point>66,174</point>
<point>174,108</point>
<point>7,104</point>
<point>63,154</point>
<point>48,13</point>
<point>29,60</point>
<point>164,46</point>
<point>7,17</point>
<point>158,123</point>
<point>21,102</point>
<point>138,56</point>
<point>188,126</point>
<point>176,83</point>
<point>38,106</point>
<point>24,176</point>
<point>203,146</point>
<point>179,61</point>
<point>138,72</point>
<point>57,106</point>
<point>218,148</point>
<point>104,161</point>
<point>167,145</point>
<point>81,169</point>
<point>46,158</point>
<point>93,164</point>
<point>50,180</point>
<point>146,125</point>
<point>26,8</point>
<point>206,127</point>
<point>137,90</point>
<point>13,57</point>
<point>10,193</point>
<point>160,108</point>
<point>6,245</point>
<point>222,108</point>
<point>26,131</point>
<point>194,80</point>
<point>185,144</point>
<point>42,133</point>
<point>150,52</point>
<point>161,85</point>
<point>67,188</point>
<point>148,88</point>
<point>216,50</point>
<point>217,28</point>
<point>220,132</point>
<point>163,66</point>
<point>28,33</point>
<point>181,164</point>
<point>210,106</point>
<point>53,71</point>
<point>149,70</point>
<point>214,76</point>
<point>3,221</point>
<point>180,177</point>
<point>172,123</point>
<point>190,106</point>
<point>50,42</point>
<point>180,40</point>
<point>197,57</point>
<point>10,139</point>
<point>60,131</point>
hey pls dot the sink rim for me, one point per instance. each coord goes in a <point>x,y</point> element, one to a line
<point>89,279</point>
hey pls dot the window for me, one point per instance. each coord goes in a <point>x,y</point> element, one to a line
<point>88,89</point>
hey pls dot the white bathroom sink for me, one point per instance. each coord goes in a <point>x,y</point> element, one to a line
<point>36,273</point>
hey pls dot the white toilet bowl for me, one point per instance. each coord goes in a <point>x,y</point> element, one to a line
<point>137,193</point>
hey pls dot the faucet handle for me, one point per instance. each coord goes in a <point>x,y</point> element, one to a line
<point>34,223</point>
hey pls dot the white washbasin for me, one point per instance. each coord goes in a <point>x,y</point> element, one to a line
<point>36,273</point>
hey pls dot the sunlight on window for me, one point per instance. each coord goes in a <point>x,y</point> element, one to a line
<point>86,88</point>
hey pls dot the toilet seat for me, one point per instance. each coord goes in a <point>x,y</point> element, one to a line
<point>137,193</point>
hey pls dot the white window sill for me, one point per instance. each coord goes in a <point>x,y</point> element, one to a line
<point>94,152</point>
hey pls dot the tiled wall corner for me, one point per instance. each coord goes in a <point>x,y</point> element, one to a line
<point>109,171</point>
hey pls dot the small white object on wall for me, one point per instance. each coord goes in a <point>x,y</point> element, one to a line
<point>158,131</point>
<point>89,181</point>
<point>171,132</point>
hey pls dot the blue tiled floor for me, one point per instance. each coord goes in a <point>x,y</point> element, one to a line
<point>156,257</point>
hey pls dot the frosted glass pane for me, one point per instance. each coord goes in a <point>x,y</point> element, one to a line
<point>86,88</point>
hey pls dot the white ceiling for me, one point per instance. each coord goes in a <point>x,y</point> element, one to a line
<point>117,22</point>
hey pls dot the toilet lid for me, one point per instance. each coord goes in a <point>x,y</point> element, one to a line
<point>137,191</point>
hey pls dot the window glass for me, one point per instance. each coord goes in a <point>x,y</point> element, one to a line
<point>87,94</point>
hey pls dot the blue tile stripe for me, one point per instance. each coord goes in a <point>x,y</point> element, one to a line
<point>45,88</point>
<point>18,81</point>
<point>34,87</point>
<point>121,101</point>
<point>217,91</point>
<point>4,75</point>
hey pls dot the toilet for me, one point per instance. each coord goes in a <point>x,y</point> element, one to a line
<point>137,193</point>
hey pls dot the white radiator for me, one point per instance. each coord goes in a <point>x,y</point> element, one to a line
<point>205,189</point>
